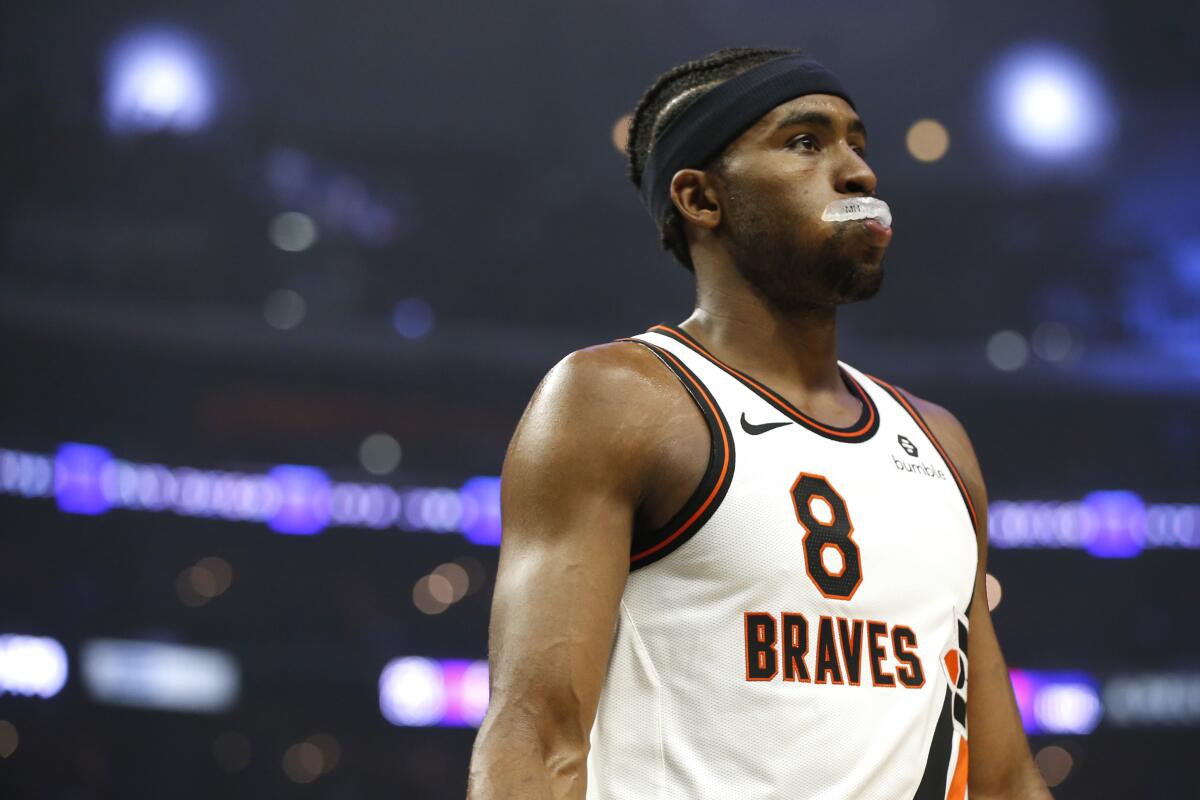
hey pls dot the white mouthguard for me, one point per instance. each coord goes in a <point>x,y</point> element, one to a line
<point>858,208</point>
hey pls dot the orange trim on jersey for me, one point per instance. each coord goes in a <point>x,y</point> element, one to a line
<point>958,784</point>
<point>682,336</point>
<point>722,477</point>
<point>962,486</point>
<point>952,666</point>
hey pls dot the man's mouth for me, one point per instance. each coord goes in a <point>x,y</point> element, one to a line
<point>879,233</point>
<point>871,209</point>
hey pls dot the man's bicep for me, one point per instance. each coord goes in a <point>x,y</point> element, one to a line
<point>562,570</point>
<point>569,493</point>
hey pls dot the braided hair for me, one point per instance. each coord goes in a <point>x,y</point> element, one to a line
<point>669,95</point>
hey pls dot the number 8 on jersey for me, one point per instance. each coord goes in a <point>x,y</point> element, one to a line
<point>822,513</point>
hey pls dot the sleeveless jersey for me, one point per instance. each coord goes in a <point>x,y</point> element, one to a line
<point>799,628</point>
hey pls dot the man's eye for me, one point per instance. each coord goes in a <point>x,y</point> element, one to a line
<point>862,152</point>
<point>805,142</point>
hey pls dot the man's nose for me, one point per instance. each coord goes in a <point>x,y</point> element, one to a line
<point>854,175</point>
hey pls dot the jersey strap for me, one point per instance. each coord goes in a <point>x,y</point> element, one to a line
<point>649,546</point>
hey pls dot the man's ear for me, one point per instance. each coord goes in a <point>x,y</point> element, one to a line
<point>694,193</point>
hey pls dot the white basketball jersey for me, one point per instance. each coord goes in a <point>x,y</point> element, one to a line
<point>799,629</point>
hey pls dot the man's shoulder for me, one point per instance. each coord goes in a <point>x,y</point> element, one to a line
<point>611,396</point>
<point>602,411</point>
<point>938,417</point>
<point>622,373</point>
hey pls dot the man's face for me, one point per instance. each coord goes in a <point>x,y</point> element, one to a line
<point>775,180</point>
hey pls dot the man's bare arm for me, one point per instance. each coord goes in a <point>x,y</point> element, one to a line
<point>575,473</point>
<point>1000,766</point>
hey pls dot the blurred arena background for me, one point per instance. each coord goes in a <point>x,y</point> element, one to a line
<point>277,278</point>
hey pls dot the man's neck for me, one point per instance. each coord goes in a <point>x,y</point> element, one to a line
<point>789,350</point>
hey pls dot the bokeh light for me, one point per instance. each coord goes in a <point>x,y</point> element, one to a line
<point>232,751</point>
<point>1054,763</point>
<point>1152,700</point>
<point>1007,351</point>
<point>1050,103</point>
<point>419,692</point>
<point>476,573</point>
<point>1069,707</point>
<point>208,578</point>
<point>412,692</point>
<point>927,140</point>
<point>480,497</point>
<point>1053,341</point>
<point>304,499</point>
<point>159,675</point>
<point>440,589</point>
<point>32,666</point>
<point>413,318</point>
<point>303,762</point>
<point>158,79</point>
<point>292,231</point>
<point>220,571</point>
<point>284,309</point>
<point>424,598</point>
<point>456,576</point>
<point>379,453</point>
<point>474,692</point>
<point>993,590</point>
<point>9,739</point>
<point>331,750</point>
<point>1119,524</point>
<point>187,591</point>
<point>78,472</point>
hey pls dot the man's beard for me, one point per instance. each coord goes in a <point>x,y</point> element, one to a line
<point>792,278</point>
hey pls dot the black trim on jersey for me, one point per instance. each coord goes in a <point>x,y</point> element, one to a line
<point>960,700</point>
<point>860,431</point>
<point>649,546</point>
<point>937,764</point>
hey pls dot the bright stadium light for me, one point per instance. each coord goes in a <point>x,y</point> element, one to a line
<point>1049,103</point>
<point>1057,702</point>
<point>162,676</point>
<point>31,666</point>
<point>304,499</point>
<point>415,691</point>
<point>1072,707</point>
<point>1146,700</point>
<point>158,79</point>
<point>412,692</point>
<point>78,478</point>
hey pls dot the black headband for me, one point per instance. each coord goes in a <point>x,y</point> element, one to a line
<point>705,127</point>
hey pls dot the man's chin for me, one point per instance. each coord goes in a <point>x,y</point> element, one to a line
<point>862,281</point>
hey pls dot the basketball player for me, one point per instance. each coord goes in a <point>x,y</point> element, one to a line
<point>733,566</point>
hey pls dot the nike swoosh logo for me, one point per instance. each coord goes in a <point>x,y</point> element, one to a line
<point>755,430</point>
